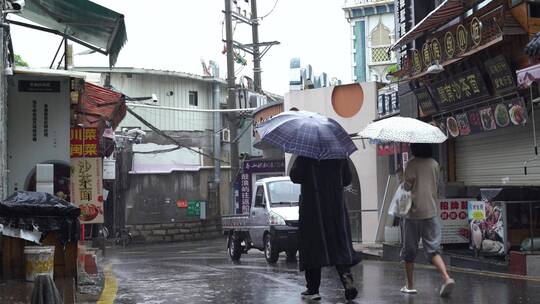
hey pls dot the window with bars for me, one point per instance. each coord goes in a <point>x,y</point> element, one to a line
<point>380,54</point>
<point>380,42</point>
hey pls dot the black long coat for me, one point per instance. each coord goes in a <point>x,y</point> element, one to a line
<point>324,228</point>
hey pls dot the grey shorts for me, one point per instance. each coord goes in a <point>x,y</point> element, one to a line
<point>427,229</point>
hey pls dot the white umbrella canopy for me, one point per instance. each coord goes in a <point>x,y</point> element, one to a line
<point>403,129</point>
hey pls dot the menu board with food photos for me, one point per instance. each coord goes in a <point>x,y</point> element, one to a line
<point>502,118</point>
<point>487,118</point>
<point>463,124</point>
<point>452,126</point>
<point>500,115</point>
<point>474,121</point>
<point>517,112</point>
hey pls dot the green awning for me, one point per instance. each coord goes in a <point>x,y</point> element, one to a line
<point>83,20</point>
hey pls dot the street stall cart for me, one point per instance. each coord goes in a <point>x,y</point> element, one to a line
<point>29,219</point>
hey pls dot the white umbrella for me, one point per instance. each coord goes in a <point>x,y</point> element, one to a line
<point>403,129</point>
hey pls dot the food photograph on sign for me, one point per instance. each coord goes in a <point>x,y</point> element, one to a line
<point>487,118</point>
<point>463,124</point>
<point>475,123</point>
<point>452,125</point>
<point>87,188</point>
<point>517,112</point>
<point>487,229</point>
<point>502,119</point>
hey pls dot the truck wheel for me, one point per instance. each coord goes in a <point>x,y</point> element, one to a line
<point>270,250</point>
<point>235,247</point>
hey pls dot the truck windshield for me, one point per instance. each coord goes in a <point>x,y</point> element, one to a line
<point>283,194</point>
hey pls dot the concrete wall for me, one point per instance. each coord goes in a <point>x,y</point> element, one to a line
<point>174,232</point>
<point>150,200</point>
<point>371,170</point>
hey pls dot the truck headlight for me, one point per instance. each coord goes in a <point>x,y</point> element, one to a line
<point>276,219</point>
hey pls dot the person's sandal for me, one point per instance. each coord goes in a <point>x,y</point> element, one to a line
<point>406,290</point>
<point>348,284</point>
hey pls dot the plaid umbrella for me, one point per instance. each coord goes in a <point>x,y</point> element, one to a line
<point>307,134</point>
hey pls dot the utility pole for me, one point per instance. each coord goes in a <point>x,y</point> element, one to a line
<point>253,49</point>
<point>3,112</point>
<point>256,54</point>
<point>231,100</point>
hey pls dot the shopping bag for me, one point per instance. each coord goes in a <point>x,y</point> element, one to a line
<point>401,202</point>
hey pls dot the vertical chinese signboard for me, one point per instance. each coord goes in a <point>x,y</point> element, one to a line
<point>87,188</point>
<point>245,181</point>
<point>453,216</point>
<point>500,74</point>
<point>84,142</point>
<point>245,192</point>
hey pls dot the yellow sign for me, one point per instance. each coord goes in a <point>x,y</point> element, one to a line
<point>426,53</point>
<point>462,37</point>
<point>449,45</point>
<point>436,50</point>
<point>476,31</point>
<point>416,61</point>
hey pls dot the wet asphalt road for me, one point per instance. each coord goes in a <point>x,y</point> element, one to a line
<point>201,272</point>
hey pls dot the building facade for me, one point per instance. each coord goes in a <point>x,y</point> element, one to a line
<point>354,107</point>
<point>372,34</point>
<point>458,65</point>
<point>166,153</point>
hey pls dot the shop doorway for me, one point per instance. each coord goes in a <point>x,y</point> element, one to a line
<point>61,179</point>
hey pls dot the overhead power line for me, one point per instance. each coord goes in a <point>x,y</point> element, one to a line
<point>270,12</point>
<point>138,105</point>
<point>166,136</point>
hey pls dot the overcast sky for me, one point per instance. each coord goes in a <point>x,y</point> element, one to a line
<point>174,35</point>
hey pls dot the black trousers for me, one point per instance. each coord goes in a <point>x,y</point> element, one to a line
<point>313,277</point>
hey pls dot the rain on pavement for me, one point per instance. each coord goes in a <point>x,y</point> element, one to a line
<point>201,272</point>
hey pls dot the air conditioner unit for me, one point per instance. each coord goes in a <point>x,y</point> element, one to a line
<point>226,135</point>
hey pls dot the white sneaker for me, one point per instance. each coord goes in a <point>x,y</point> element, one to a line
<point>406,290</point>
<point>446,288</point>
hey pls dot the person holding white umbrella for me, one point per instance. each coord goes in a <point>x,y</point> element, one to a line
<point>420,178</point>
<point>421,175</point>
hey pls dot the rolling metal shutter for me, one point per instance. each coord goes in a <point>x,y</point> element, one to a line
<point>496,158</point>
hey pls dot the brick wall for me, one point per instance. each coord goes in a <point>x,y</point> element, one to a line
<point>175,232</point>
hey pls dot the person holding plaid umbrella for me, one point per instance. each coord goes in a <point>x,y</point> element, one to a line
<point>322,147</point>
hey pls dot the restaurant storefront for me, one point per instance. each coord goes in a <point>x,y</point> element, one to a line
<point>463,79</point>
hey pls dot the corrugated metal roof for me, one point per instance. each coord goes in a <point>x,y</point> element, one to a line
<point>51,72</point>
<point>82,19</point>
<point>133,70</point>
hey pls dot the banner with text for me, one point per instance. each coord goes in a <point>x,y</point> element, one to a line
<point>87,188</point>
